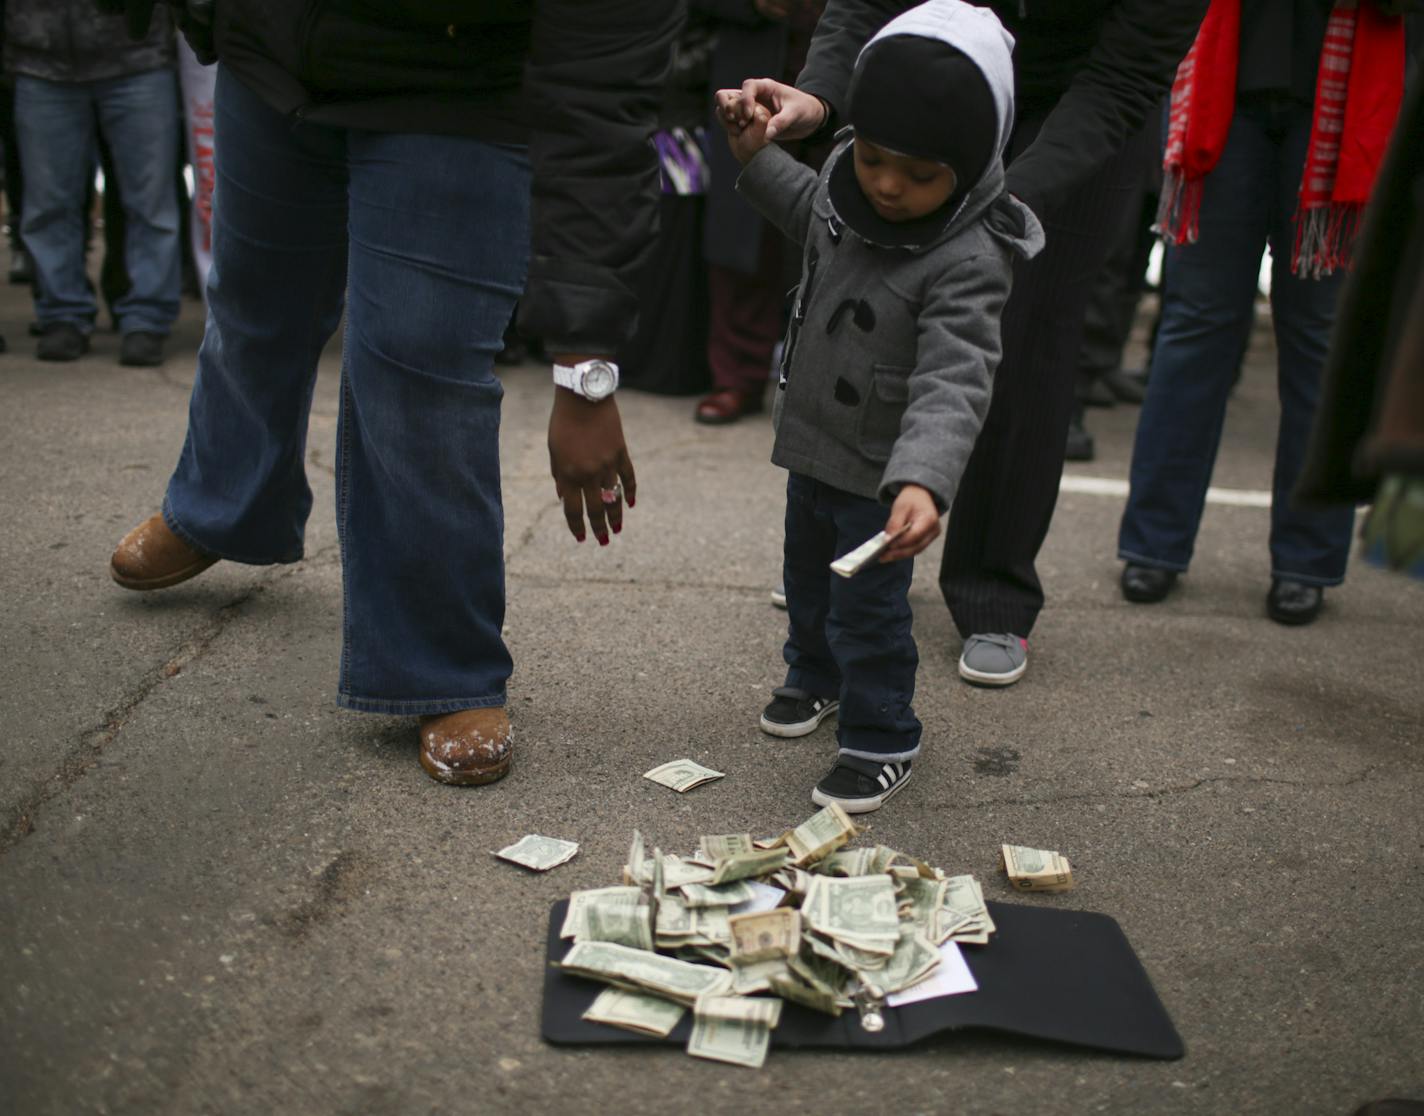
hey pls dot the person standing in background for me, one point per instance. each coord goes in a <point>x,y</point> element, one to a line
<point>1278,122</point>
<point>745,255</point>
<point>76,70</point>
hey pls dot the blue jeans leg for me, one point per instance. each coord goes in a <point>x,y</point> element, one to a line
<point>1207,297</point>
<point>439,252</point>
<point>274,297</point>
<point>54,125</point>
<point>864,637</point>
<point>1308,543</point>
<point>436,232</point>
<point>1249,200</point>
<point>808,550</point>
<point>139,117</point>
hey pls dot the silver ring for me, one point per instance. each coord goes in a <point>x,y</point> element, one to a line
<point>611,495</point>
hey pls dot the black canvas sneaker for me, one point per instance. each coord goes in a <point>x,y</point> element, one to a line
<point>859,786</point>
<point>794,712</point>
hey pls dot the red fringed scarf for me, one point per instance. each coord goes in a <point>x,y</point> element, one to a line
<point>1357,95</point>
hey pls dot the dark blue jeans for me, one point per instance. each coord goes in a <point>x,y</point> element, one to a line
<point>849,637</point>
<point>426,239</point>
<point>55,122</point>
<point>1208,289</point>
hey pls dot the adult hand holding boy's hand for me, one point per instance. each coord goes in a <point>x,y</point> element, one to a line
<point>913,523</point>
<point>794,113</point>
<point>746,132</point>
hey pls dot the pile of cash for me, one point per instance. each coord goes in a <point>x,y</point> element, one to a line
<point>742,925</point>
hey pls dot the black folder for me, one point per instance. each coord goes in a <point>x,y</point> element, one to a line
<point>1065,976</point>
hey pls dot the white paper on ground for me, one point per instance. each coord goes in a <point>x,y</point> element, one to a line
<point>950,978</point>
<point>765,899</point>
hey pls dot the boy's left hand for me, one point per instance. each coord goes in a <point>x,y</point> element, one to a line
<point>914,518</point>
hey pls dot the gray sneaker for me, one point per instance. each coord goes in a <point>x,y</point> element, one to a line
<point>778,595</point>
<point>993,660</point>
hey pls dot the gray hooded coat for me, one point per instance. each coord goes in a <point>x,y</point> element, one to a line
<point>889,360</point>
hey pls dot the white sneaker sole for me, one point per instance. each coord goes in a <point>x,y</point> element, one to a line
<point>801,728</point>
<point>858,805</point>
<point>984,678</point>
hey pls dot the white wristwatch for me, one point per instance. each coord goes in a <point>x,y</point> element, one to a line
<point>593,379</point>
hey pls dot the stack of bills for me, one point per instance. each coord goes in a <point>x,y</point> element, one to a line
<point>1037,869</point>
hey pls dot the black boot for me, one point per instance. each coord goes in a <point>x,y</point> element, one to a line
<point>1293,602</point>
<point>1146,584</point>
<point>1080,442</point>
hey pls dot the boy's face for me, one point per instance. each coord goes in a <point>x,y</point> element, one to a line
<point>898,187</point>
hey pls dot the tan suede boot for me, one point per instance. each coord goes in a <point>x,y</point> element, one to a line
<point>471,746</point>
<point>152,557</point>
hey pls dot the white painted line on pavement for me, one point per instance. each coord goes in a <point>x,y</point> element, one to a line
<point>1108,486</point>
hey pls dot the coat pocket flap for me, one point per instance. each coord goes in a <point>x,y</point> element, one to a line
<point>891,383</point>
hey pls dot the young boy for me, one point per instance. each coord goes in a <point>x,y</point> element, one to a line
<point>888,363</point>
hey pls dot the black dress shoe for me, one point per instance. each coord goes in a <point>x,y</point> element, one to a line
<point>1146,584</point>
<point>1079,446</point>
<point>141,349</point>
<point>1127,387</point>
<point>22,267</point>
<point>1292,602</point>
<point>61,341</point>
<point>1095,393</point>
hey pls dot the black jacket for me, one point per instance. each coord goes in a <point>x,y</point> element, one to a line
<point>70,41</point>
<point>1102,64</point>
<point>578,80</point>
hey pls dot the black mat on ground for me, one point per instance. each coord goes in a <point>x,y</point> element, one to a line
<point>1065,976</point>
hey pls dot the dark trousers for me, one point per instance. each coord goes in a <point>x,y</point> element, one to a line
<point>745,319</point>
<point>1115,293</point>
<point>849,637</point>
<point>1005,501</point>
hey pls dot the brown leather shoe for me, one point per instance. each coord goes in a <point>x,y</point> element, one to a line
<point>728,405</point>
<point>471,746</point>
<point>152,557</point>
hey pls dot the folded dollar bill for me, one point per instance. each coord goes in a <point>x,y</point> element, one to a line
<point>740,1042</point>
<point>820,835</point>
<point>765,934</point>
<point>682,775</point>
<point>851,564</point>
<point>539,853</point>
<point>636,1011</point>
<point>645,971</point>
<point>1037,869</point>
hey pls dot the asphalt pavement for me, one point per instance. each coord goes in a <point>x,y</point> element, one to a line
<point>221,894</point>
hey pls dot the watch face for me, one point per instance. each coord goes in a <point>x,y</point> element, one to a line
<point>598,379</point>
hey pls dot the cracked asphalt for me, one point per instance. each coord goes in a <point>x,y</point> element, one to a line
<point>220,894</point>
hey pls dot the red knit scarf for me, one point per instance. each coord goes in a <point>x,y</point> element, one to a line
<point>1357,95</point>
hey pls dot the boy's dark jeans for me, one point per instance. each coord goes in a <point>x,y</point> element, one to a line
<point>849,637</point>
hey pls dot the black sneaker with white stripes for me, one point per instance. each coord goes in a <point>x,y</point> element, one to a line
<point>794,712</point>
<point>859,786</point>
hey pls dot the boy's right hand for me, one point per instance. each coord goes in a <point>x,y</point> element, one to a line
<point>746,132</point>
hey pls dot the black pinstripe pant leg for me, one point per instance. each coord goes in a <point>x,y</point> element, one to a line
<point>1005,501</point>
